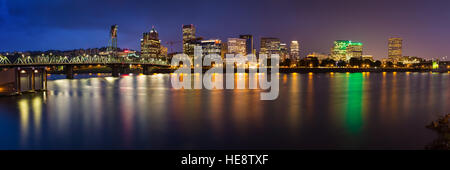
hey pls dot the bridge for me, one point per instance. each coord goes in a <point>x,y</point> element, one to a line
<point>116,63</point>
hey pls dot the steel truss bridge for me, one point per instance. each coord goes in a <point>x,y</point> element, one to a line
<point>117,64</point>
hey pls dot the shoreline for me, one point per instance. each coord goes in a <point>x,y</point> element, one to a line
<point>281,70</point>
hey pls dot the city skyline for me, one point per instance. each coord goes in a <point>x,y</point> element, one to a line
<point>25,28</point>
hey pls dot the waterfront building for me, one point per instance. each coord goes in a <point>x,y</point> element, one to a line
<point>367,57</point>
<point>237,46</point>
<point>346,49</point>
<point>339,50</point>
<point>317,55</point>
<point>354,50</point>
<point>410,60</point>
<point>284,52</point>
<point>295,50</point>
<point>151,45</point>
<point>213,46</point>
<point>189,39</point>
<point>270,46</point>
<point>248,43</point>
<point>395,49</point>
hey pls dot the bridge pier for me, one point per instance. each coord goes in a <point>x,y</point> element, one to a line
<point>147,70</point>
<point>69,71</point>
<point>22,79</point>
<point>117,69</point>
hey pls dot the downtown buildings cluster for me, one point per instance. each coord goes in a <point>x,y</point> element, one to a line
<point>343,53</point>
<point>151,47</point>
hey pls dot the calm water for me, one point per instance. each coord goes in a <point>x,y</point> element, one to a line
<point>313,111</point>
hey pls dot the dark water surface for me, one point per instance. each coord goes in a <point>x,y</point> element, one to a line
<point>313,111</point>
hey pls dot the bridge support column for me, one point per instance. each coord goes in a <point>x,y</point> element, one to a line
<point>147,70</point>
<point>116,70</point>
<point>69,71</point>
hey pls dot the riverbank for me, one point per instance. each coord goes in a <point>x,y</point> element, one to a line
<point>281,70</point>
<point>442,127</point>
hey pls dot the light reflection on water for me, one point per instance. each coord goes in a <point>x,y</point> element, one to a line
<point>333,110</point>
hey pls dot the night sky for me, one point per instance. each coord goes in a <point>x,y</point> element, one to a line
<point>68,24</point>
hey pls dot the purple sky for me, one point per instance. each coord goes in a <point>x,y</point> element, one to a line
<point>68,24</point>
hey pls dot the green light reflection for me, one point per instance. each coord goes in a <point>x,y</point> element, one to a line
<point>354,103</point>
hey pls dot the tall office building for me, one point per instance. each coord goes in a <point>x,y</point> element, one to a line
<point>237,46</point>
<point>295,50</point>
<point>354,50</point>
<point>346,49</point>
<point>248,43</point>
<point>150,45</point>
<point>189,39</point>
<point>395,49</point>
<point>270,46</point>
<point>188,32</point>
<point>339,50</point>
<point>284,52</point>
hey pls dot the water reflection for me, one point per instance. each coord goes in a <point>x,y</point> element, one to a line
<point>30,116</point>
<point>354,102</point>
<point>334,110</point>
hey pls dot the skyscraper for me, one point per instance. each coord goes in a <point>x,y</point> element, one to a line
<point>346,49</point>
<point>188,32</point>
<point>248,43</point>
<point>395,49</point>
<point>189,39</point>
<point>354,50</point>
<point>270,46</point>
<point>237,46</point>
<point>295,50</point>
<point>284,52</point>
<point>339,50</point>
<point>150,45</point>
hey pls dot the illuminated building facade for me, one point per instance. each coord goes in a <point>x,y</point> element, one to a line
<point>223,50</point>
<point>284,52</point>
<point>411,60</point>
<point>346,49</point>
<point>367,57</point>
<point>164,52</point>
<point>317,55</point>
<point>354,50</point>
<point>189,39</point>
<point>270,46</point>
<point>395,49</point>
<point>151,45</point>
<point>295,50</point>
<point>237,46</point>
<point>248,43</point>
<point>339,50</point>
<point>213,46</point>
